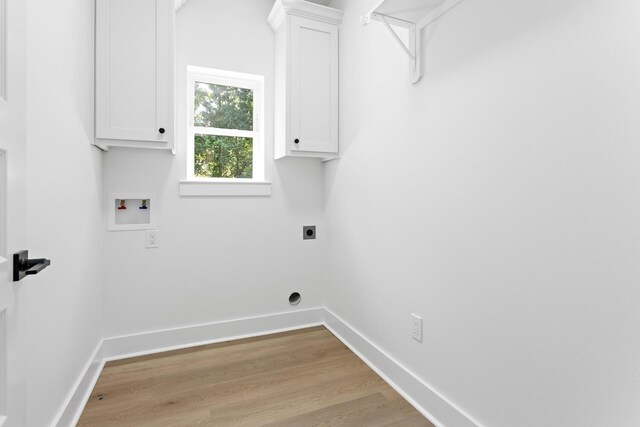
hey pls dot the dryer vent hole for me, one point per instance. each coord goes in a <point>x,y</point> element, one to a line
<point>295,298</point>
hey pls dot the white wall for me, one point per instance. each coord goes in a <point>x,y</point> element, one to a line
<point>219,258</point>
<point>64,215</point>
<point>499,199</point>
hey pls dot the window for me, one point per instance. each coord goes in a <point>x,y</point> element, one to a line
<point>225,137</point>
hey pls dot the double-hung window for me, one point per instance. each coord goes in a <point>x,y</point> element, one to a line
<point>225,140</point>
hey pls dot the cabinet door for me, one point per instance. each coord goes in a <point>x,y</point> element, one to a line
<point>314,86</point>
<point>133,69</point>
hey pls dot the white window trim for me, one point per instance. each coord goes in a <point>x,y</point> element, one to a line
<point>226,78</point>
<point>224,189</point>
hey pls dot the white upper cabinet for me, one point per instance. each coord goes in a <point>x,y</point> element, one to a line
<point>134,73</point>
<point>306,107</point>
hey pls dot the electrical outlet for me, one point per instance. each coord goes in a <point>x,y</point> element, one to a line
<point>416,327</point>
<point>152,238</point>
<point>309,232</point>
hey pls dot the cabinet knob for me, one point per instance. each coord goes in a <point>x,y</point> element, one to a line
<point>161,130</point>
<point>296,140</point>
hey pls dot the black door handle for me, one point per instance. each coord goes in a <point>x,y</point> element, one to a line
<point>37,265</point>
<point>23,266</point>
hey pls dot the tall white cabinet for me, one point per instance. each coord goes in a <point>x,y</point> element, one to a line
<point>306,86</point>
<point>135,73</point>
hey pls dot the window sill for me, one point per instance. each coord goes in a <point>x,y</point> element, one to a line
<point>224,189</point>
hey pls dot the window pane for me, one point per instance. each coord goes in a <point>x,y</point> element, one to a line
<point>225,107</point>
<point>223,156</point>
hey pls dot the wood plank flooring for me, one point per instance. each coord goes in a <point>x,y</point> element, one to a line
<point>300,378</point>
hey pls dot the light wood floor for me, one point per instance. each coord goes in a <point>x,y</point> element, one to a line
<point>300,378</point>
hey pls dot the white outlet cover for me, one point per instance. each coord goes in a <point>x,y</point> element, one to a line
<point>152,239</point>
<point>416,327</point>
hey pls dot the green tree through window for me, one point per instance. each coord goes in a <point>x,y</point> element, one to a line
<point>219,107</point>
<point>223,156</point>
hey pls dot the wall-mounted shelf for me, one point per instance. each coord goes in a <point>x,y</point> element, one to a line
<point>414,15</point>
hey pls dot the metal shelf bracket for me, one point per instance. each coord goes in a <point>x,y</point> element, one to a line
<point>422,18</point>
<point>413,48</point>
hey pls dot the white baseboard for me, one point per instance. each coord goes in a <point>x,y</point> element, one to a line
<point>173,339</point>
<point>426,400</point>
<point>77,399</point>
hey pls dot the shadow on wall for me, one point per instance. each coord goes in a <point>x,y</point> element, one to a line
<point>150,170</point>
<point>469,32</point>
<point>288,173</point>
<point>484,17</point>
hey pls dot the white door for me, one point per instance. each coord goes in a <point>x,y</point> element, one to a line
<point>12,209</point>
